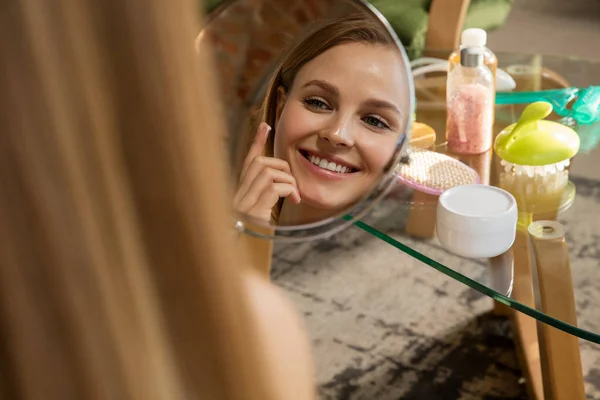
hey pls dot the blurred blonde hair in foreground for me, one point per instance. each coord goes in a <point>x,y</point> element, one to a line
<point>119,273</point>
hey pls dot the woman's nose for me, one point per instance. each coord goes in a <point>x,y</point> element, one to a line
<point>340,135</point>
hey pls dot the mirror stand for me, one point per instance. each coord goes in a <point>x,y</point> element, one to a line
<point>259,250</point>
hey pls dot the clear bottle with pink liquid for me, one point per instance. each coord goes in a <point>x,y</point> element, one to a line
<point>470,104</point>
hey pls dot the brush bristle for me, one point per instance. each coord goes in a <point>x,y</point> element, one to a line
<point>534,180</point>
<point>433,172</point>
<point>532,171</point>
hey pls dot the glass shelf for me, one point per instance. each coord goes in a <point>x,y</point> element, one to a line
<point>406,219</point>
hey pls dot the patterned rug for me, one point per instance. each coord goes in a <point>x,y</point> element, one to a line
<point>385,326</point>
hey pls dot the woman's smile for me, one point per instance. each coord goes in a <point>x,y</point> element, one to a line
<point>323,168</point>
<point>329,162</point>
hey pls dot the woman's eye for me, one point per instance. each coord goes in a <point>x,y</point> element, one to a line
<point>316,104</point>
<point>376,122</point>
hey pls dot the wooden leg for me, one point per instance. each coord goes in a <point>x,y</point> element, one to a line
<point>501,310</point>
<point>445,23</point>
<point>550,358</point>
<point>524,327</point>
<point>559,351</point>
<point>259,250</point>
<point>421,217</point>
<point>502,275</point>
<point>531,341</point>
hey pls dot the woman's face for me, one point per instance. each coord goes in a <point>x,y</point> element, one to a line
<point>338,125</point>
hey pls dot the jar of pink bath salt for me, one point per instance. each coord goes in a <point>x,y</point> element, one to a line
<point>470,105</point>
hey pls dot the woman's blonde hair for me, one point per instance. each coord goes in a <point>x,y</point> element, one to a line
<point>119,273</point>
<point>355,28</point>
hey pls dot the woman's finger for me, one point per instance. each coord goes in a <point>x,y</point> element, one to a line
<point>269,198</point>
<point>261,162</point>
<point>258,145</point>
<point>250,192</point>
<point>259,165</point>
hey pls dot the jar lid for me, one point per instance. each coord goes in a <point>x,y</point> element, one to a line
<point>535,141</point>
<point>478,209</point>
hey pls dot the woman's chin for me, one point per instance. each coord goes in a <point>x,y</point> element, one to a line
<point>329,205</point>
<point>337,197</point>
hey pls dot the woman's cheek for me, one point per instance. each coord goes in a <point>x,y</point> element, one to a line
<point>378,153</point>
<point>279,143</point>
<point>281,140</point>
<point>293,126</point>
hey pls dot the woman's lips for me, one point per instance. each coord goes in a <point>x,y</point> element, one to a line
<point>330,162</point>
<point>326,167</point>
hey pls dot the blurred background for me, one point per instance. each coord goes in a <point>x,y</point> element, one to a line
<point>555,27</point>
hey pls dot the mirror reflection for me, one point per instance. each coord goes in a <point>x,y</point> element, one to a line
<point>318,103</point>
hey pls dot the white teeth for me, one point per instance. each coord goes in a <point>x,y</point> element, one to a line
<point>329,165</point>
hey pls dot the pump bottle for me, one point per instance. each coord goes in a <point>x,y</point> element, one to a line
<point>475,37</point>
<point>470,104</point>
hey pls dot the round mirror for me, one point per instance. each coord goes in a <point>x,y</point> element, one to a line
<point>318,98</point>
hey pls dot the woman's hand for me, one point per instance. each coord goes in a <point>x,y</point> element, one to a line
<point>263,181</point>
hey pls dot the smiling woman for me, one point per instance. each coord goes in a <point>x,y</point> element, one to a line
<point>329,124</point>
<point>319,98</point>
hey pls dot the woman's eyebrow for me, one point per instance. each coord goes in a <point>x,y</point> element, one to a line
<point>328,87</point>
<point>376,103</point>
